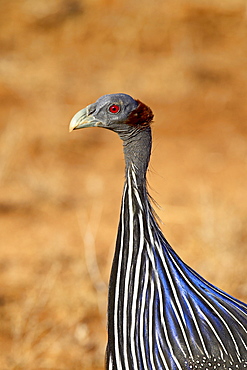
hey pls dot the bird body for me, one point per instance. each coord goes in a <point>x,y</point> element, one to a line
<point>162,315</point>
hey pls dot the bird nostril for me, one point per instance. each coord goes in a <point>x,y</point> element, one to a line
<point>91,109</point>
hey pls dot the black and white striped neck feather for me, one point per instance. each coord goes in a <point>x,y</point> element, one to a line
<point>161,313</point>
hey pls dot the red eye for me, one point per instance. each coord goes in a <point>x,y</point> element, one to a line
<point>114,108</point>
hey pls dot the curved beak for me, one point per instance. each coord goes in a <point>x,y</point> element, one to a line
<point>82,119</point>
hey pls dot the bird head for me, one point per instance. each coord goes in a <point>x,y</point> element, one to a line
<point>118,112</point>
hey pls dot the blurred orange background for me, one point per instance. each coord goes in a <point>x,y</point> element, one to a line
<point>60,193</point>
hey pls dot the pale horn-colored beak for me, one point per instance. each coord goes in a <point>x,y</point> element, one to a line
<point>83,119</point>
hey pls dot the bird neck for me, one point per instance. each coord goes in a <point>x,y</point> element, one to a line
<point>137,150</point>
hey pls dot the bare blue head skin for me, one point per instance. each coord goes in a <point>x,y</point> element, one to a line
<point>129,118</point>
<point>98,114</point>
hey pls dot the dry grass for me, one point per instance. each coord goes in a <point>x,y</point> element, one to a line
<point>60,193</point>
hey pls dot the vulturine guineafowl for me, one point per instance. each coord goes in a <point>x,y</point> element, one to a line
<point>162,315</point>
